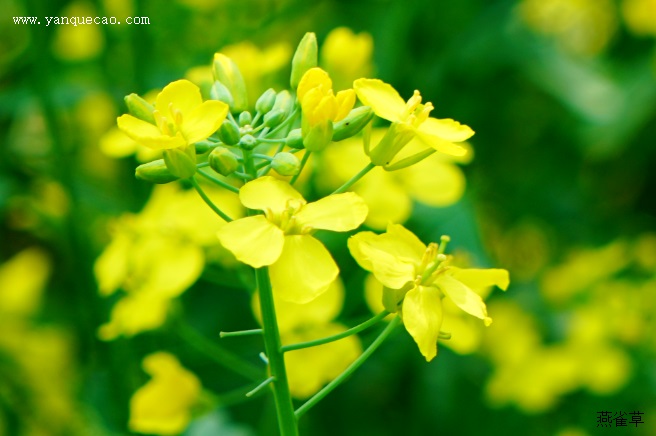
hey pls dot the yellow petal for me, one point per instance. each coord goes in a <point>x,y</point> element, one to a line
<point>268,193</point>
<point>339,213</point>
<point>172,267</point>
<point>447,129</point>
<point>345,101</point>
<point>481,278</point>
<point>386,198</point>
<point>314,77</point>
<point>203,120</point>
<point>181,95</point>
<point>408,245</point>
<point>147,134</point>
<point>135,313</point>
<point>463,297</point>
<point>381,97</point>
<point>380,255</point>
<point>304,270</point>
<point>253,240</point>
<point>111,267</point>
<point>422,317</point>
<point>439,144</point>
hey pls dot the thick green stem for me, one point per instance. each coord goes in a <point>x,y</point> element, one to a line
<point>273,346</point>
<point>350,370</point>
<point>352,331</point>
<point>355,178</point>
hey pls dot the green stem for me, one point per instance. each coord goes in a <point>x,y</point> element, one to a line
<point>273,346</point>
<point>261,386</point>
<point>355,178</point>
<point>348,371</point>
<point>240,333</point>
<point>357,329</point>
<point>218,354</point>
<point>304,160</point>
<point>207,200</point>
<point>219,182</point>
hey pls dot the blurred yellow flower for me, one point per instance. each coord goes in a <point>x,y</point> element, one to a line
<point>346,56</point>
<point>301,268</point>
<point>77,42</point>
<point>582,27</point>
<point>640,16</point>
<point>310,368</point>
<point>163,405</point>
<point>181,118</point>
<point>156,255</point>
<point>22,279</point>
<point>440,134</point>
<point>419,277</point>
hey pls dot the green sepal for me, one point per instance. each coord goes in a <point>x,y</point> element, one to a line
<point>140,108</point>
<point>274,118</point>
<point>221,93</point>
<point>286,164</point>
<point>155,172</point>
<point>396,137</point>
<point>295,139</point>
<point>226,71</point>
<point>410,160</point>
<point>266,101</point>
<point>223,161</point>
<point>353,123</point>
<point>316,138</point>
<point>181,161</point>
<point>229,133</point>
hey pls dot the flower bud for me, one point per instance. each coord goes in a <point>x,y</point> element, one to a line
<point>226,72</point>
<point>181,162</point>
<point>266,101</point>
<point>318,136</point>
<point>155,172</point>
<point>140,108</point>
<point>223,161</point>
<point>274,118</point>
<point>352,123</point>
<point>284,102</point>
<point>204,146</point>
<point>396,137</point>
<point>286,164</point>
<point>295,139</point>
<point>221,93</point>
<point>304,58</point>
<point>248,142</point>
<point>245,118</point>
<point>229,133</point>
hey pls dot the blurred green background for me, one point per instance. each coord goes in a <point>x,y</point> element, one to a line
<point>562,96</point>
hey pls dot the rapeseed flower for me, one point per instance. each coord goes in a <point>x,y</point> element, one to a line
<point>417,277</point>
<point>163,405</point>
<point>301,268</point>
<point>181,118</point>
<point>409,119</point>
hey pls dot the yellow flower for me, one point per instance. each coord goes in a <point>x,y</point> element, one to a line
<point>419,277</point>
<point>639,16</point>
<point>181,118</point>
<point>163,405</point>
<point>347,56</point>
<point>300,266</point>
<point>321,107</point>
<point>413,116</point>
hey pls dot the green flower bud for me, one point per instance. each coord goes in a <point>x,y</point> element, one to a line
<point>304,58</point>
<point>319,136</point>
<point>181,162</point>
<point>245,118</point>
<point>226,72</point>
<point>248,142</point>
<point>274,118</point>
<point>284,102</point>
<point>396,137</point>
<point>223,161</point>
<point>266,101</point>
<point>204,146</point>
<point>155,172</point>
<point>286,164</point>
<point>352,123</point>
<point>229,133</point>
<point>221,93</point>
<point>140,108</point>
<point>295,139</point>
